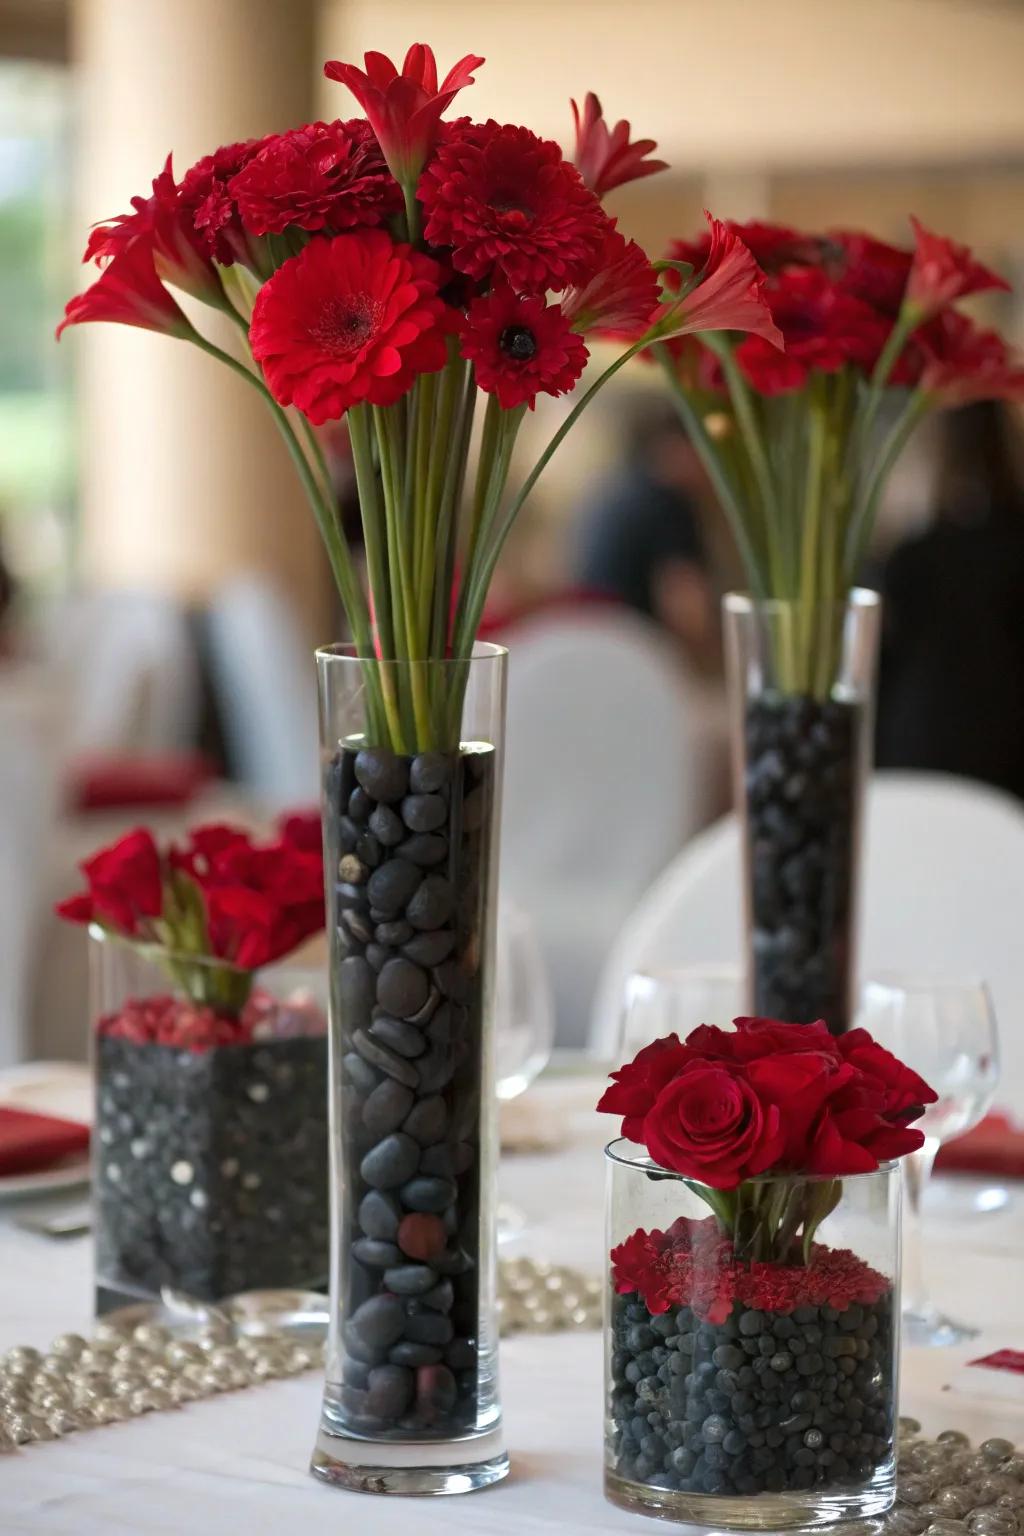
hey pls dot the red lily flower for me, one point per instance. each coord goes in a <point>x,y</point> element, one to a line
<point>728,295</point>
<point>604,157</point>
<point>942,272</point>
<point>404,110</point>
<point>129,292</point>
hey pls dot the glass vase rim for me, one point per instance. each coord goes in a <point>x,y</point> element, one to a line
<point>641,1161</point>
<point>346,651</point>
<point>744,604</point>
<point>147,949</point>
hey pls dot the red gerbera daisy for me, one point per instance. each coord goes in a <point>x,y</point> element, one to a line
<point>823,326</point>
<point>871,270</point>
<point>621,294</point>
<point>507,201</point>
<point>205,196</point>
<point>323,174</point>
<point>346,320</point>
<point>521,347</point>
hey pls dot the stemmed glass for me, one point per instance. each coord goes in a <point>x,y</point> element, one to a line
<point>663,1002</point>
<point>945,1031</point>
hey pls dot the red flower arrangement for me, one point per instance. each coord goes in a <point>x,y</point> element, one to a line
<point>220,897</point>
<point>787,1101</point>
<point>393,267</point>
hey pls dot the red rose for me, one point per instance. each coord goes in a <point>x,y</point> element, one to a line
<point>850,1136</point>
<point>125,885</point>
<point>509,204</point>
<point>709,1124</point>
<point>904,1093</point>
<point>348,320</point>
<point>636,1086</point>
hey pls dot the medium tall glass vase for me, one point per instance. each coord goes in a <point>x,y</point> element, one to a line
<point>802,683</point>
<point>411,1400</point>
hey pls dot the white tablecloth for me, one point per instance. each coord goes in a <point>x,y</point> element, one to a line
<point>236,1465</point>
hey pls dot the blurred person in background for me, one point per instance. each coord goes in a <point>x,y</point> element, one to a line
<point>8,596</point>
<point>639,537</point>
<point>951,693</point>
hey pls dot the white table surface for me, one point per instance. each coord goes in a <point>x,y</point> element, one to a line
<point>237,1465</point>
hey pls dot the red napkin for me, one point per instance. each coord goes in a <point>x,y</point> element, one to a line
<point>996,1146</point>
<point>105,783</point>
<point>29,1142</point>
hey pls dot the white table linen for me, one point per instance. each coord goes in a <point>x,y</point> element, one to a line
<point>236,1465</point>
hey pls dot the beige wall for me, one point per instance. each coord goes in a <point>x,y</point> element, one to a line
<point>184,481</point>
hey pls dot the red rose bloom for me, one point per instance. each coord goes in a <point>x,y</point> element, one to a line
<point>326,174</point>
<point>521,347</point>
<point>620,296</point>
<point>604,157</point>
<point>942,272</point>
<point>205,196</point>
<point>404,110</point>
<point>348,320</point>
<point>904,1093</point>
<point>125,885</point>
<point>709,1124</point>
<point>507,202</point>
<point>635,1086</point>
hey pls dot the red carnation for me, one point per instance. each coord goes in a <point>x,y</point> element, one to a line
<point>871,270</point>
<point>963,363</point>
<point>214,213</point>
<point>348,320</point>
<point>326,174</point>
<point>404,110</point>
<point>709,1124</point>
<point>507,202</point>
<point>620,296</point>
<point>728,295</point>
<point>604,157</point>
<point>129,292</point>
<point>942,272</point>
<point>521,347</point>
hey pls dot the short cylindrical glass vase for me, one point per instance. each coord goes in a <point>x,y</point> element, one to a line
<point>412,755</point>
<point>747,1389</point>
<point>210,1132</point>
<point>802,688</point>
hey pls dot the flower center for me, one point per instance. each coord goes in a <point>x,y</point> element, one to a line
<point>344,325</point>
<point>518,342</point>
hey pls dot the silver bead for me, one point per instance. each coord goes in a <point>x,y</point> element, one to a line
<point>955,1502</point>
<point>914,1490</point>
<point>125,1385</point>
<point>50,1402</point>
<point>909,1426</point>
<point>1013,1466</point>
<point>41,1428</point>
<point>950,1436</point>
<point>107,1332</point>
<point>19,1427</point>
<point>20,1355</point>
<point>180,1351</point>
<point>992,1522</point>
<point>996,1449</point>
<point>70,1344</point>
<point>61,1421</point>
<point>7,1440</point>
<point>150,1400</point>
<point>946,1528</point>
<point>184,1391</point>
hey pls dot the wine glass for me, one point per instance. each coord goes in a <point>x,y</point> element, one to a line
<point>945,1031</point>
<point>663,1002</point>
<point>524,1025</point>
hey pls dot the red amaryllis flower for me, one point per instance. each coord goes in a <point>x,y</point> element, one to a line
<point>324,174</point>
<point>404,110</point>
<point>161,223</point>
<point>869,269</point>
<point>710,1124</point>
<point>824,329</point>
<point>963,363</point>
<point>521,347</point>
<point>129,292</point>
<point>125,885</point>
<point>773,246</point>
<point>352,319</point>
<point>620,296</point>
<point>507,202</point>
<point>729,294</point>
<point>942,272</point>
<point>205,197</point>
<point>604,157</point>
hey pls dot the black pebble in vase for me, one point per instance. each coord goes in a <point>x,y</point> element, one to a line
<point>408,840</point>
<point>803,791</point>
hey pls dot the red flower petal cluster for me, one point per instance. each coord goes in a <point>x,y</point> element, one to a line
<point>206,199</point>
<point>962,363</point>
<point>326,174</point>
<point>724,1105</point>
<point>729,294</point>
<point>163,1019</point>
<point>824,328</point>
<point>346,320</point>
<point>942,272</point>
<point>404,109</point>
<point>773,246</point>
<point>692,1264</point>
<point>125,885</point>
<point>509,204</point>
<point>129,292</point>
<point>604,157</point>
<point>521,347</point>
<point>869,269</point>
<point>621,294</point>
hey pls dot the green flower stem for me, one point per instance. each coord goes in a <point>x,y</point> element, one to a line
<point>450,500</point>
<point>862,520</point>
<point>746,419</point>
<point>801,664</point>
<point>397,512</point>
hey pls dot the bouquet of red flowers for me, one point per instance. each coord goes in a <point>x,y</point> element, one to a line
<point>220,897</point>
<point>393,268</point>
<point>791,439</point>
<point>768,1098</point>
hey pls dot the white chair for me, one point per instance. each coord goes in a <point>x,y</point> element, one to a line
<point>600,777</point>
<point>943,896</point>
<point>265,680</point>
<point>131,670</point>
